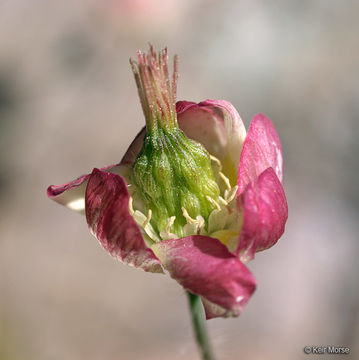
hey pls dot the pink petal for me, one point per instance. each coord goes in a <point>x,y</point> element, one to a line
<point>107,214</point>
<point>261,150</point>
<point>183,105</point>
<point>72,194</point>
<point>265,214</point>
<point>213,311</point>
<point>217,125</point>
<point>204,266</point>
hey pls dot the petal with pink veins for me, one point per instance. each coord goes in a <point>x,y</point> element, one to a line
<point>265,213</point>
<point>204,266</point>
<point>108,216</point>
<point>261,150</point>
<point>217,125</point>
<point>72,194</point>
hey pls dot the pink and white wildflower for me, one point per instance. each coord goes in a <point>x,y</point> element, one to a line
<point>227,211</point>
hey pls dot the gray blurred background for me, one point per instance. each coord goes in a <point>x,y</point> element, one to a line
<point>68,103</point>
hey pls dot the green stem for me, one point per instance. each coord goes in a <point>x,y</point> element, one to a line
<point>199,326</point>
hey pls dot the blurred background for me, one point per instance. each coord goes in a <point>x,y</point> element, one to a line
<point>68,103</point>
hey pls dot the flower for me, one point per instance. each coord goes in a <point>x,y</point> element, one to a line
<point>193,195</point>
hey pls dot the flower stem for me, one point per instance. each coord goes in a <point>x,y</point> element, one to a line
<point>199,326</point>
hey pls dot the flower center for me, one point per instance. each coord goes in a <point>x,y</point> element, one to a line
<point>223,223</point>
<point>172,176</point>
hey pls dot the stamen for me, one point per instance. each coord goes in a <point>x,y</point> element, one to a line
<point>214,202</point>
<point>200,224</point>
<point>222,201</point>
<point>130,205</point>
<point>170,223</point>
<point>148,218</point>
<point>187,217</point>
<point>232,194</point>
<point>225,179</point>
<point>214,159</point>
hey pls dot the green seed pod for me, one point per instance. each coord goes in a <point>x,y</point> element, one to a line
<point>169,176</point>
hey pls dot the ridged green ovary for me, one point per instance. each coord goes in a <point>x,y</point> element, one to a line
<point>172,172</point>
